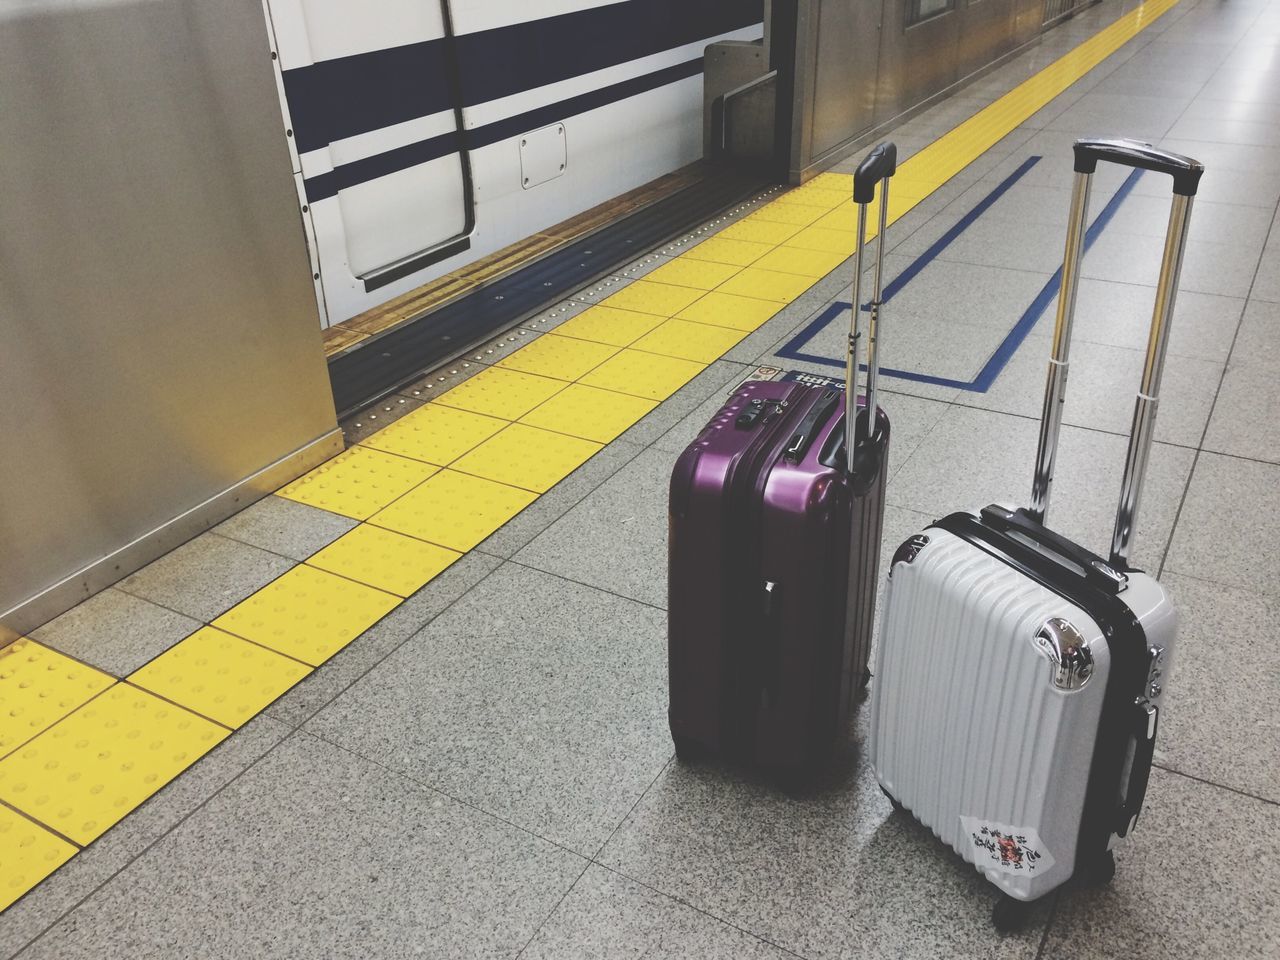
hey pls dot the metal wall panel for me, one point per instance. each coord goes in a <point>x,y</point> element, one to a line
<point>161,356</point>
<point>847,63</point>
<point>986,33</point>
<point>916,60</point>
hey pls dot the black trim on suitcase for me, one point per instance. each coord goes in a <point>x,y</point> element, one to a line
<point>745,487</point>
<point>1106,810</point>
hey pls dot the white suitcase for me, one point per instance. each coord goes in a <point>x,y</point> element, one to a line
<point>1019,677</point>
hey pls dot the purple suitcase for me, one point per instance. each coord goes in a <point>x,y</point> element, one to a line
<point>774,554</point>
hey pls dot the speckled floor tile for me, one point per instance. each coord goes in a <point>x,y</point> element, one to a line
<point>1230,524</point>
<point>1119,315</point>
<point>975,457</point>
<point>286,527</point>
<point>115,631</point>
<point>533,519</point>
<point>355,659</point>
<point>606,916</point>
<point>1102,385</point>
<point>1219,723</point>
<point>536,699</point>
<point>1195,882</point>
<point>206,576</point>
<point>616,538</point>
<point>348,860</point>
<point>116,849</point>
<point>831,874</point>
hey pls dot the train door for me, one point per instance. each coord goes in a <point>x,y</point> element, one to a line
<point>372,111</point>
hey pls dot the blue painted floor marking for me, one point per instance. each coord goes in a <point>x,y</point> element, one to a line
<point>792,350</point>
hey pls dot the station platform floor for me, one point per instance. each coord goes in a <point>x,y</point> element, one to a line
<point>415,704</point>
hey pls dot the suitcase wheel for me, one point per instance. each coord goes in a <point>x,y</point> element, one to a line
<point>897,807</point>
<point>1010,915</point>
<point>1099,872</point>
<point>690,751</point>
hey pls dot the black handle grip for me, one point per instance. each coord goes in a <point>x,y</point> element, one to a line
<point>1096,570</point>
<point>1147,722</point>
<point>1134,153</point>
<point>875,166</point>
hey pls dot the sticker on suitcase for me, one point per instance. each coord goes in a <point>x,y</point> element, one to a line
<point>1016,850</point>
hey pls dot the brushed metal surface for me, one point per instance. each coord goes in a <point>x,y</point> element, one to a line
<point>916,60</point>
<point>845,68</point>
<point>986,32</point>
<point>156,305</point>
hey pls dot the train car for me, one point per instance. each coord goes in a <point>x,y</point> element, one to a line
<point>426,134</point>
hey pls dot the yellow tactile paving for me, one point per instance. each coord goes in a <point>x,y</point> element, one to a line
<point>28,854</point>
<point>845,219</point>
<point>308,614</point>
<point>660,299</point>
<point>814,264</point>
<point>384,559</point>
<point>689,340</point>
<point>434,434</point>
<point>797,214</point>
<point>358,483</point>
<point>766,285</point>
<point>455,510</point>
<point>817,196</point>
<point>721,249</point>
<point>606,324</point>
<point>589,412</point>
<point>824,239</point>
<point>693,272</point>
<point>91,768</point>
<point>558,357</point>
<point>38,687</point>
<point>220,676</point>
<point>527,457</point>
<point>728,310</point>
<point>759,231</point>
<point>496,392</point>
<point>643,374</point>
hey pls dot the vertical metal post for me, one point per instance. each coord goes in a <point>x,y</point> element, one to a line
<point>851,355</point>
<point>873,325</point>
<point>1144,410</point>
<point>1056,380</point>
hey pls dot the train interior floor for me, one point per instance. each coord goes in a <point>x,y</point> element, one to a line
<point>415,704</point>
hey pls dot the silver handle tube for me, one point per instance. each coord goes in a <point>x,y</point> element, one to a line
<point>851,355</point>
<point>873,324</point>
<point>1142,433</point>
<point>1055,388</point>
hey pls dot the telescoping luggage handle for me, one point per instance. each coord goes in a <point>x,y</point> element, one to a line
<point>877,167</point>
<point>1186,176</point>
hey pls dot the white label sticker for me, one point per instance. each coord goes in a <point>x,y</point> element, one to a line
<point>1016,850</point>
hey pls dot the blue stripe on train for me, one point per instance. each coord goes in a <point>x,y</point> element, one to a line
<point>361,171</point>
<point>347,96</point>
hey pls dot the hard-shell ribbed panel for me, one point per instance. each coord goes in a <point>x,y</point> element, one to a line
<point>965,719</point>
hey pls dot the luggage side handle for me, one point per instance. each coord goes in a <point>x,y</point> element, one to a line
<point>878,166</point>
<point>1146,724</point>
<point>1186,173</point>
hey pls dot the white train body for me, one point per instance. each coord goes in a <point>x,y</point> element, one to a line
<point>426,134</point>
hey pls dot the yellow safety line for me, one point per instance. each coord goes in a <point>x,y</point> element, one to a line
<point>432,485</point>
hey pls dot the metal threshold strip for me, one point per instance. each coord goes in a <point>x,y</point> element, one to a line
<point>370,370</point>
